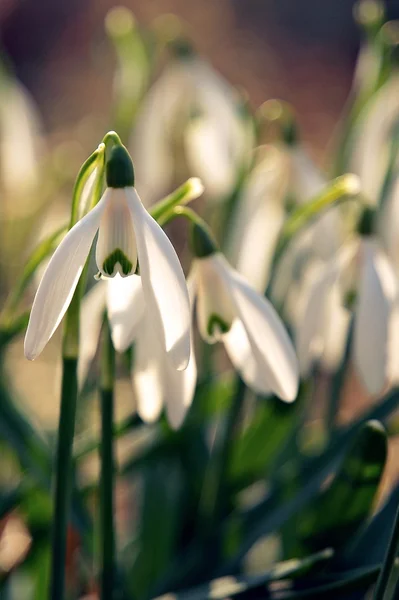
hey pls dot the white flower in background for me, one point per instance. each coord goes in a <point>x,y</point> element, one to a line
<point>20,142</point>
<point>373,139</point>
<point>190,121</point>
<point>156,382</point>
<point>127,236</point>
<point>229,310</point>
<point>359,279</point>
<point>259,216</point>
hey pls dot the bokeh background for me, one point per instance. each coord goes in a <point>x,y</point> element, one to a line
<point>302,51</point>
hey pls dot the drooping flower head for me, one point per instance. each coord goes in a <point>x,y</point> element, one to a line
<point>229,310</point>
<point>129,239</point>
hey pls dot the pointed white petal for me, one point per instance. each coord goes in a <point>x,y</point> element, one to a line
<point>259,217</point>
<point>309,335</point>
<point>92,310</point>
<point>157,383</point>
<point>388,224</point>
<point>179,389</point>
<point>60,280</point>
<point>151,141</point>
<point>393,351</point>
<point>209,156</point>
<point>164,285</point>
<point>125,306</point>
<point>322,327</point>
<point>244,360</point>
<point>372,138</point>
<point>376,293</point>
<point>215,309</point>
<point>267,336</point>
<point>116,245</point>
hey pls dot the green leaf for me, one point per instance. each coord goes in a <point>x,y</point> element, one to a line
<point>159,526</point>
<point>259,444</point>
<point>335,515</point>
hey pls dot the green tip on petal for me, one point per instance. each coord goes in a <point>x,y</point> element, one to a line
<point>202,241</point>
<point>119,169</point>
<point>366,224</point>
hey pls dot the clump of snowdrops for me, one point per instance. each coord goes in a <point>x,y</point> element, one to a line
<point>239,341</point>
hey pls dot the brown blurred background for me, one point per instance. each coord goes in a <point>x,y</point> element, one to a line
<point>302,51</point>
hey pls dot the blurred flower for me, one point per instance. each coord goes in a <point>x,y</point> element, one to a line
<point>259,216</point>
<point>190,123</point>
<point>310,248</point>
<point>20,144</point>
<point>359,279</point>
<point>373,139</point>
<point>229,310</point>
<point>156,382</point>
<point>127,235</point>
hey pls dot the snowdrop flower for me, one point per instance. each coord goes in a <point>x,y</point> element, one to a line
<point>189,117</point>
<point>127,237</point>
<point>156,382</point>
<point>229,310</point>
<point>361,275</point>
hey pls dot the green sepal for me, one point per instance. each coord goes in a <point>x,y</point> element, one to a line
<point>202,241</point>
<point>119,169</point>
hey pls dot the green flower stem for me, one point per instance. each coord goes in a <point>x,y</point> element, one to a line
<point>188,191</point>
<point>389,564</point>
<point>342,188</point>
<point>107,466</point>
<point>337,384</point>
<point>66,430</point>
<point>63,476</point>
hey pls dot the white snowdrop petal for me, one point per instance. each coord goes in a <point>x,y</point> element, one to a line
<point>92,310</point>
<point>179,389</point>
<point>309,337</point>
<point>60,280</point>
<point>244,360</point>
<point>215,310</point>
<point>268,338</point>
<point>372,134</point>
<point>376,293</point>
<point>125,306</point>
<point>116,245</point>
<point>151,143</point>
<point>156,382</point>
<point>336,330</point>
<point>209,156</point>
<point>164,285</point>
